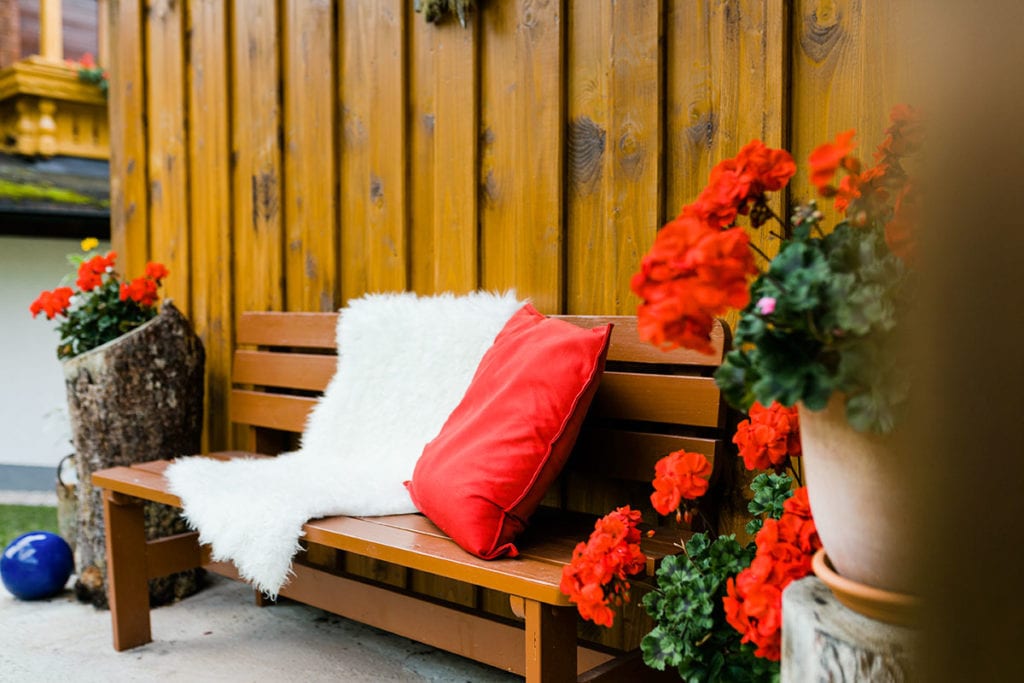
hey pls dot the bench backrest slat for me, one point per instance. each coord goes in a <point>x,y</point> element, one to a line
<point>272,328</point>
<point>650,402</point>
<point>626,344</point>
<point>305,371</point>
<point>631,455</point>
<point>658,398</point>
<point>270,411</point>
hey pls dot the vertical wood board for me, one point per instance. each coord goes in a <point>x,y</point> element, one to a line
<point>167,146</point>
<point>310,192</point>
<point>614,149</point>
<point>373,171</point>
<point>256,156</point>
<point>129,208</point>
<point>725,86</point>
<point>523,134</point>
<point>210,206</point>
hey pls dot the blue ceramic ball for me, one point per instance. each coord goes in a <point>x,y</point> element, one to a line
<point>36,565</point>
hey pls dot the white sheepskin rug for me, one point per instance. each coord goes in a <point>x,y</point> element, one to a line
<point>404,363</point>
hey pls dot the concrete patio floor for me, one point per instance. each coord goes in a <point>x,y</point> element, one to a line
<point>216,635</point>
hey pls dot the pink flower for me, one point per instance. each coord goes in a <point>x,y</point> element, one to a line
<point>766,305</point>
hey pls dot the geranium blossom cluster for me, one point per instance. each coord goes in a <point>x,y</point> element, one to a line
<point>100,307</point>
<point>678,477</point>
<point>878,185</point>
<point>753,602</point>
<point>91,273</point>
<point>699,266</point>
<point>596,578</point>
<point>769,437</point>
<point>143,289</point>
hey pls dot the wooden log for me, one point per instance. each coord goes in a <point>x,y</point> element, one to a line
<point>134,399</point>
<point>824,641</point>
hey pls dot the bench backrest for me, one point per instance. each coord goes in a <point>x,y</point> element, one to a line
<point>650,402</point>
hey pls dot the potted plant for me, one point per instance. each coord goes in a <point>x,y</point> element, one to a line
<point>816,366</point>
<point>134,379</point>
<point>818,326</point>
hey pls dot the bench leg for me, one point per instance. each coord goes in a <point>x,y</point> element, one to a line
<point>550,643</point>
<point>127,584</point>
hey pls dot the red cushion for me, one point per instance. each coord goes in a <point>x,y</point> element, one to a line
<point>487,470</point>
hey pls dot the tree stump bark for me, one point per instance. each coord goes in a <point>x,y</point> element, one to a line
<point>134,399</point>
<point>824,641</point>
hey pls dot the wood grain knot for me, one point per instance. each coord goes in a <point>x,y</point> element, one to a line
<point>264,197</point>
<point>820,35</point>
<point>632,150</point>
<point>702,132</point>
<point>376,189</point>
<point>586,147</point>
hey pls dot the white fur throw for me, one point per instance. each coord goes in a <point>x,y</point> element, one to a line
<point>404,363</point>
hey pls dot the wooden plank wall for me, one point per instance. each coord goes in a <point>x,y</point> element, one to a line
<point>294,154</point>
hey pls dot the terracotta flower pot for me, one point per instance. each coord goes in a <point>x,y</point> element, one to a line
<point>857,484</point>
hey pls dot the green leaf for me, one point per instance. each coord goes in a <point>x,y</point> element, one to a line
<point>770,492</point>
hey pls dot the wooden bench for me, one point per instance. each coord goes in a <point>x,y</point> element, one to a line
<point>508,613</point>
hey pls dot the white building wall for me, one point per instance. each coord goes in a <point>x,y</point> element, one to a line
<point>33,407</point>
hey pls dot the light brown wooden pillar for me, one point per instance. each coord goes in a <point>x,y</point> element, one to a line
<point>51,30</point>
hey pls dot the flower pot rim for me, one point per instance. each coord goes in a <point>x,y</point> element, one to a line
<point>900,609</point>
<point>132,332</point>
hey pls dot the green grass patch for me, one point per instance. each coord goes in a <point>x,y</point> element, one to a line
<point>24,191</point>
<point>16,520</point>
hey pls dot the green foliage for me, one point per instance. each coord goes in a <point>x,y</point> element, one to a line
<point>97,317</point>
<point>770,492</point>
<point>692,634</point>
<point>95,75</point>
<point>837,301</point>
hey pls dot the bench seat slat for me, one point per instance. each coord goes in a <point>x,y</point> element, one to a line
<point>372,537</point>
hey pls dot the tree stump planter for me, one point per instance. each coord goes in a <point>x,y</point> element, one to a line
<point>134,399</point>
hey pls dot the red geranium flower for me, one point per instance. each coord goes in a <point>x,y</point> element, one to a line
<point>597,575</point>
<point>678,476</point>
<point>899,232</point>
<point>753,601</point>
<point>905,134</point>
<point>156,271</point>
<point>692,274</point>
<point>141,290</point>
<point>737,183</point>
<point>825,159</point>
<point>90,273</point>
<point>52,303</point>
<point>768,437</point>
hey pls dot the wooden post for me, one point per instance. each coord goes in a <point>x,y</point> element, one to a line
<point>128,590</point>
<point>103,32</point>
<point>550,642</point>
<point>51,30</point>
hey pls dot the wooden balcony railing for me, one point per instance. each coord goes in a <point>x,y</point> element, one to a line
<point>45,110</point>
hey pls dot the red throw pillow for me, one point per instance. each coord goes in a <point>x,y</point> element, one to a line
<point>487,470</point>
